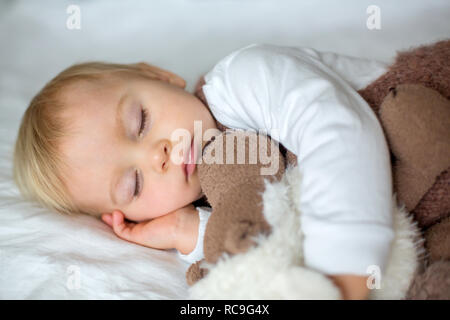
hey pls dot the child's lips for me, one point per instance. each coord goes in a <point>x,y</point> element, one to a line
<point>188,165</point>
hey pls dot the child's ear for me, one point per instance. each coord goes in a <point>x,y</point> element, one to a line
<point>161,74</point>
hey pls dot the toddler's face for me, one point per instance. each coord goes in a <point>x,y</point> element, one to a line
<point>113,141</point>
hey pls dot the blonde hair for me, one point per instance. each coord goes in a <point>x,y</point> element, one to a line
<point>38,166</point>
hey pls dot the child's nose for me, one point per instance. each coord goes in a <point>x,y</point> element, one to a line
<point>161,155</point>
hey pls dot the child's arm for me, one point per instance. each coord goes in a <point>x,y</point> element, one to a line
<point>175,230</point>
<point>353,287</point>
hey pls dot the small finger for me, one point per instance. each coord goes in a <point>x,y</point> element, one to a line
<point>122,228</point>
<point>107,218</point>
<point>118,224</point>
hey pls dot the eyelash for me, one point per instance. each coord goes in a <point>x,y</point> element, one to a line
<point>137,186</point>
<point>143,121</point>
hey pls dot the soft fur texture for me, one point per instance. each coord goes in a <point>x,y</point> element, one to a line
<point>416,122</point>
<point>427,65</point>
<point>433,284</point>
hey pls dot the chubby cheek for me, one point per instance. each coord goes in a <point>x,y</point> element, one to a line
<point>162,200</point>
<point>195,187</point>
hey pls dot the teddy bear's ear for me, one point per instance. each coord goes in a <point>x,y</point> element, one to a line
<point>195,273</point>
<point>416,121</point>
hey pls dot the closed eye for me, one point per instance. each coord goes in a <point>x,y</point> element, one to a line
<point>143,123</point>
<point>137,185</point>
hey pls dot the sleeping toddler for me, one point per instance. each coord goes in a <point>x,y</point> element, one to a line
<point>117,142</point>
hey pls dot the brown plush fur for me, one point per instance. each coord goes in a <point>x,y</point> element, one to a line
<point>437,241</point>
<point>435,204</point>
<point>428,65</point>
<point>416,122</point>
<point>433,284</point>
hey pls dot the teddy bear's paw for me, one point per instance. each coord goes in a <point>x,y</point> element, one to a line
<point>241,235</point>
<point>195,273</point>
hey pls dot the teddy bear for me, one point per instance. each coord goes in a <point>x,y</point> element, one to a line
<point>411,100</point>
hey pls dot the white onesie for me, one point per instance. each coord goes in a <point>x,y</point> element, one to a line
<point>309,99</point>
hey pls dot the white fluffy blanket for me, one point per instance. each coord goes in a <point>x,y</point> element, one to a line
<point>274,268</point>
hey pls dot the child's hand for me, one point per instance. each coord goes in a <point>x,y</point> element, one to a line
<point>177,229</point>
<point>352,287</point>
<point>157,233</point>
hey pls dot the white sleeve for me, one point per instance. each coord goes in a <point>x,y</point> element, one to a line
<point>346,187</point>
<point>197,254</point>
<point>358,72</point>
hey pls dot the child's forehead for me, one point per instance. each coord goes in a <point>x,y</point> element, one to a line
<point>99,83</point>
<point>90,89</point>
